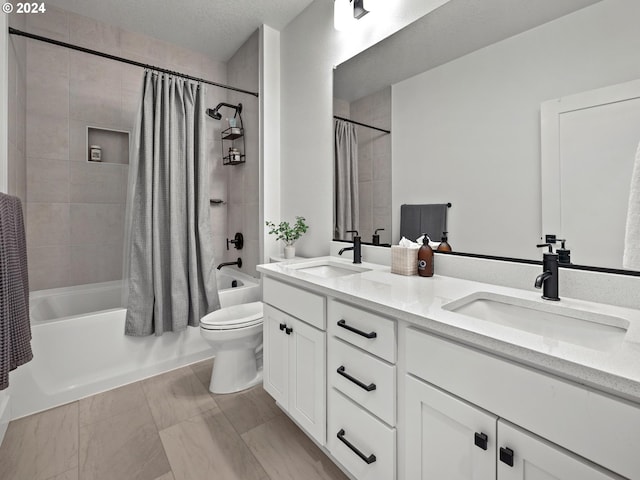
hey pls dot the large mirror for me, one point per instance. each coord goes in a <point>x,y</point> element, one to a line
<point>461,91</point>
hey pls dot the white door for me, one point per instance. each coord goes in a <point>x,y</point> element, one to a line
<point>276,354</point>
<point>307,391</point>
<point>536,459</point>
<point>446,438</point>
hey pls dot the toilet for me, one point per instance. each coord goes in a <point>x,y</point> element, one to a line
<point>235,334</point>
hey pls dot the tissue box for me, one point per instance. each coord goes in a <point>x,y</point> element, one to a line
<point>404,260</point>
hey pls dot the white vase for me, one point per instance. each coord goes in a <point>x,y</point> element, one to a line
<point>289,251</point>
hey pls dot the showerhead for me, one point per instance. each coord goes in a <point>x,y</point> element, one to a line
<point>213,113</point>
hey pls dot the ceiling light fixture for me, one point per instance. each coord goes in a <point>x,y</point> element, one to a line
<point>346,12</point>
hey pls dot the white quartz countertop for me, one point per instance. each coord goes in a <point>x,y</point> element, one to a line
<point>419,301</point>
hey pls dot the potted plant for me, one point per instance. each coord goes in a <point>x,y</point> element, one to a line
<point>288,234</point>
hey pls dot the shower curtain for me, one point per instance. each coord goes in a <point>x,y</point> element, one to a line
<point>171,272</point>
<point>346,215</point>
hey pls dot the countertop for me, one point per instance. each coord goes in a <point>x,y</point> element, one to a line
<point>419,302</point>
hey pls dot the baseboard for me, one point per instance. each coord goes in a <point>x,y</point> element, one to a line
<point>5,413</point>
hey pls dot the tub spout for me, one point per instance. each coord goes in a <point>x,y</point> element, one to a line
<point>227,264</point>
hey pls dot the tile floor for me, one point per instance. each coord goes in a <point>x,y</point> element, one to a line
<point>168,427</point>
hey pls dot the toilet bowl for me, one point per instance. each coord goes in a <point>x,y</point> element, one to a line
<point>235,334</point>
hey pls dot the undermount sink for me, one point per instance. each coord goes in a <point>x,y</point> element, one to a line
<point>579,327</point>
<point>327,268</point>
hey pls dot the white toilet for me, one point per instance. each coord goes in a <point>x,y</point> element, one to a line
<point>235,334</point>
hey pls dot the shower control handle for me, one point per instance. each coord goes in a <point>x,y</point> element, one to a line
<point>288,330</point>
<point>283,326</point>
<point>238,241</point>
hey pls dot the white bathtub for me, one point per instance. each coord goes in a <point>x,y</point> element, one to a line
<point>80,348</point>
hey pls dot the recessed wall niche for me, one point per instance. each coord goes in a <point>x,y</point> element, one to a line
<point>105,145</point>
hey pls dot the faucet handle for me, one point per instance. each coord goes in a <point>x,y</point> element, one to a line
<point>540,245</point>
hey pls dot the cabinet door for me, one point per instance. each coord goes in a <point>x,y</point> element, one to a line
<point>276,354</point>
<point>536,459</point>
<point>307,379</point>
<point>446,438</point>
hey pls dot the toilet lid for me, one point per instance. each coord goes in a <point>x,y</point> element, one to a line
<point>236,316</point>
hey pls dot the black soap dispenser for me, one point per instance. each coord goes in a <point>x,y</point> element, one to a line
<point>425,258</point>
<point>444,244</point>
<point>564,254</point>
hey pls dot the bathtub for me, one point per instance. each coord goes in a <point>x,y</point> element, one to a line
<point>80,348</point>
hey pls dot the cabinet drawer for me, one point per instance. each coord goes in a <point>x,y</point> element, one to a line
<point>377,389</point>
<point>596,426</point>
<point>370,440</point>
<point>366,330</point>
<point>300,303</point>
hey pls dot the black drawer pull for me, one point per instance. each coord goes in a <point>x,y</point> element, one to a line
<point>368,388</point>
<point>369,460</point>
<point>506,456</point>
<point>283,326</point>
<point>288,330</point>
<point>481,440</point>
<point>343,324</point>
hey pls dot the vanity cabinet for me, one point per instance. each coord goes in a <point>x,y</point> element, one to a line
<point>294,355</point>
<point>449,438</point>
<point>361,354</point>
<point>533,426</point>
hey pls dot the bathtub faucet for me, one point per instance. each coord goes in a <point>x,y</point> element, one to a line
<point>227,264</point>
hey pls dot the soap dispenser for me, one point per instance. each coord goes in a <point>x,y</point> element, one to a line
<point>564,254</point>
<point>425,258</point>
<point>444,244</point>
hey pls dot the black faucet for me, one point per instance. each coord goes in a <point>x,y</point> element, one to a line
<point>376,237</point>
<point>548,279</point>
<point>227,264</point>
<point>357,247</point>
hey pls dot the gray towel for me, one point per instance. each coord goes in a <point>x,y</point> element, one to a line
<point>15,329</point>
<point>418,219</point>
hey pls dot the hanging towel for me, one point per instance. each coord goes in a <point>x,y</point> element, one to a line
<point>15,329</point>
<point>631,257</point>
<point>418,219</point>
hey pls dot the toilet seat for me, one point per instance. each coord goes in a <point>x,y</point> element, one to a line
<point>234,317</point>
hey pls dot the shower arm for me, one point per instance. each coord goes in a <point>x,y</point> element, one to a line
<point>215,114</point>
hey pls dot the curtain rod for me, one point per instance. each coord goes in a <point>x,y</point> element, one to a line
<point>14,31</point>
<point>361,124</point>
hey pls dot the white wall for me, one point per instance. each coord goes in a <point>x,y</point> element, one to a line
<point>4,66</point>
<point>310,48</point>
<point>468,132</point>
<point>269,137</point>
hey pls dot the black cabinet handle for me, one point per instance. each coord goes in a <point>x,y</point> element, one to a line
<point>288,330</point>
<point>506,456</point>
<point>369,460</point>
<point>343,324</point>
<point>481,440</point>
<point>368,388</point>
<point>283,326</point>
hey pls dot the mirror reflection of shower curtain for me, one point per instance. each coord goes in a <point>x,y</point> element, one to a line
<point>170,273</point>
<point>346,215</point>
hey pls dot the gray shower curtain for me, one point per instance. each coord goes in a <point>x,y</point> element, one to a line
<point>347,216</point>
<point>171,271</point>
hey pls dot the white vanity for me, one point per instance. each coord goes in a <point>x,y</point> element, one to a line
<point>426,378</point>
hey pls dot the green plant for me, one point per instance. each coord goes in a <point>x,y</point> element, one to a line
<point>287,233</point>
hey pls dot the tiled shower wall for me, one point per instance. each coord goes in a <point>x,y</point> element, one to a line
<point>374,164</point>
<point>75,209</point>
<point>17,86</point>
<point>243,194</point>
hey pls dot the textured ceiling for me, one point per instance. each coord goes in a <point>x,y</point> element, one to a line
<point>214,27</point>
<point>449,32</point>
